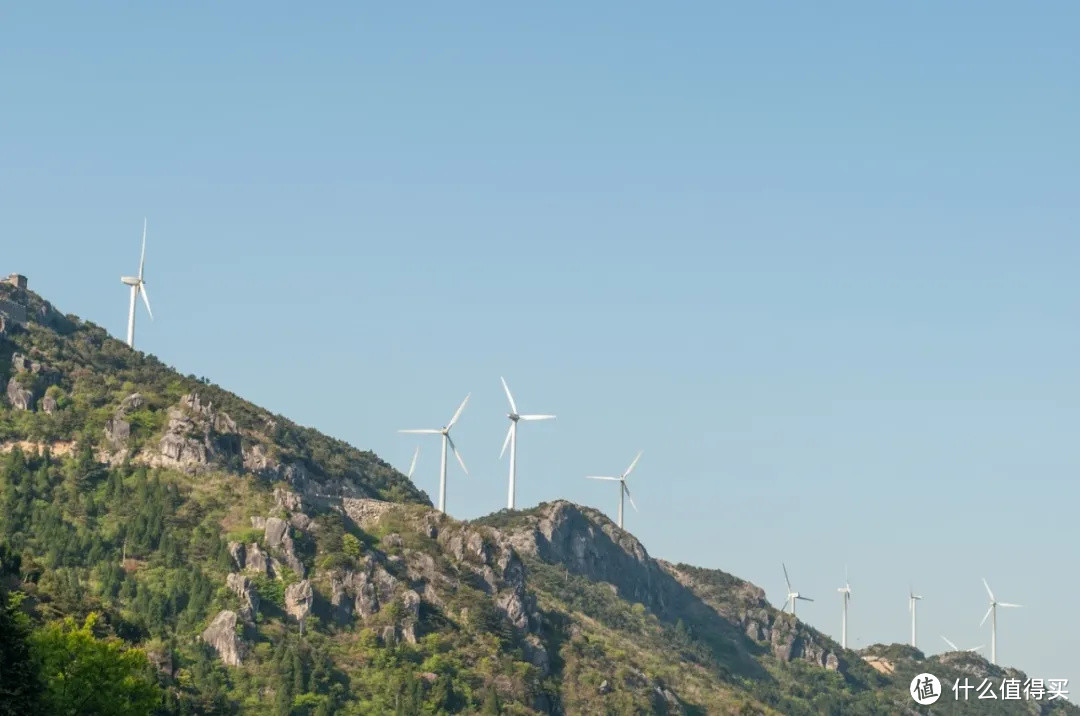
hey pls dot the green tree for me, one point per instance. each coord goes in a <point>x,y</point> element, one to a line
<point>19,682</point>
<point>87,675</point>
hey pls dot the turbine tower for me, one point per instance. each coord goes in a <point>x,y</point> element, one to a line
<point>623,489</point>
<point>994,604</point>
<point>956,648</point>
<point>912,599</point>
<point>845,591</point>
<point>792,595</point>
<point>446,440</point>
<point>511,440</point>
<point>138,288</point>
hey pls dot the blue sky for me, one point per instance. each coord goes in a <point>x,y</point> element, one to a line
<point>818,262</point>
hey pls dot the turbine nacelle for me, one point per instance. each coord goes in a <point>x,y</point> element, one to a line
<point>792,595</point>
<point>130,280</point>
<point>447,442</point>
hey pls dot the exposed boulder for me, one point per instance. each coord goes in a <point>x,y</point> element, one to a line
<point>130,403</point>
<point>249,598</point>
<point>117,431</point>
<point>410,600</point>
<point>222,636</point>
<point>19,397</point>
<point>236,551</point>
<point>278,537</point>
<point>49,405</point>
<point>298,599</point>
<point>255,560</point>
<point>276,530</point>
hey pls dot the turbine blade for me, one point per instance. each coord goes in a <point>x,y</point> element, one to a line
<point>509,432</point>
<point>987,615</point>
<point>975,648</point>
<point>537,417</point>
<point>453,449</point>
<point>597,477</point>
<point>953,646</point>
<point>142,257</point>
<point>412,465</point>
<point>627,489</point>
<point>1007,604</point>
<point>145,299</point>
<point>422,432</point>
<point>458,413</point>
<point>805,599</point>
<point>988,589</point>
<point>513,406</point>
<point>632,465</point>
<point>786,576</point>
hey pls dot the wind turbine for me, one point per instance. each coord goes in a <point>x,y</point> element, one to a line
<point>446,440</point>
<point>792,595</point>
<point>845,591</point>
<point>511,439</point>
<point>994,604</point>
<point>956,648</point>
<point>623,489</point>
<point>138,288</point>
<point>912,599</point>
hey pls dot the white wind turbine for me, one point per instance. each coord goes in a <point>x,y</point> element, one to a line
<point>913,598</point>
<point>138,288</point>
<point>792,595</point>
<point>994,604</point>
<point>623,489</point>
<point>845,591</point>
<point>956,648</point>
<point>446,440</point>
<point>511,440</point>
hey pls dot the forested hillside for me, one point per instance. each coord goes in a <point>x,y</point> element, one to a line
<point>166,547</point>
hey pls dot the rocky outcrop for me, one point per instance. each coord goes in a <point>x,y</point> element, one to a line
<point>410,600</point>
<point>255,560</point>
<point>492,557</point>
<point>364,512</point>
<point>222,636</point>
<point>131,403</point>
<point>117,431</point>
<point>278,537</point>
<point>249,598</point>
<point>298,599</point>
<point>589,544</point>
<point>42,373</point>
<point>236,551</point>
<point>363,592</point>
<point>197,435</point>
<point>19,397</point>
<point>49,404</point>
<point>118,428</point>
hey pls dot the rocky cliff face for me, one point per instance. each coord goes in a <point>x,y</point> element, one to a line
<point>587,543</point>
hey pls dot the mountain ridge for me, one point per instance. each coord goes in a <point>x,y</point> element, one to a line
<point>264,566</point>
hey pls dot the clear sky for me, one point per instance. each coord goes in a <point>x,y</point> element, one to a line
<point>818,262</point>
